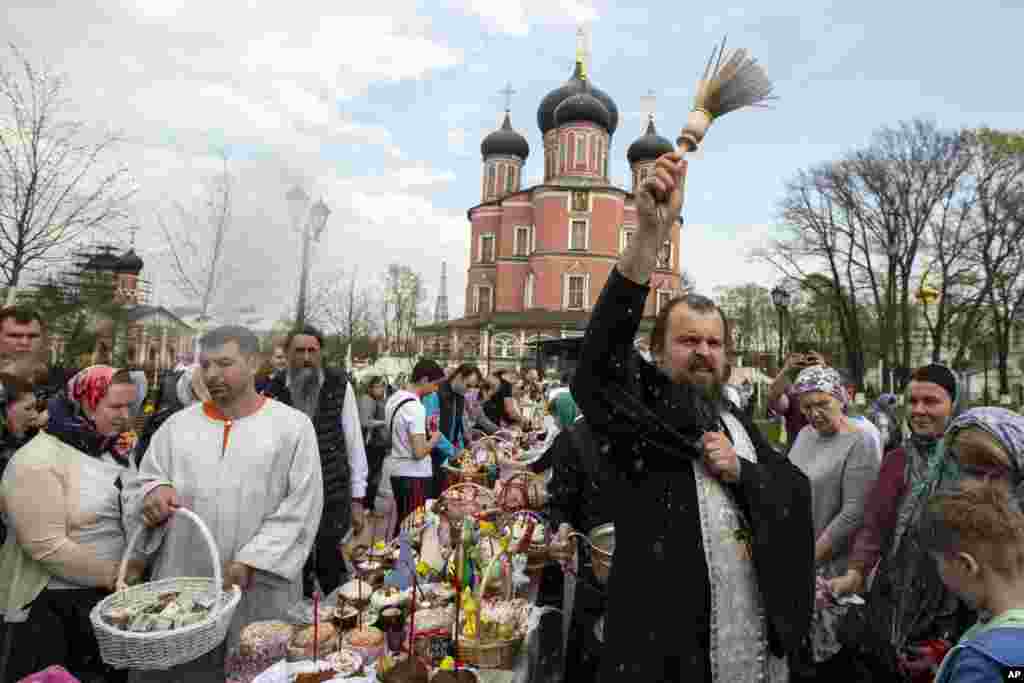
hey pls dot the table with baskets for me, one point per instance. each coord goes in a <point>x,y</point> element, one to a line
<point>530,654</point>
<point>512,502</point>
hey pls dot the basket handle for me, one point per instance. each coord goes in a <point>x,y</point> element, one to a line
<point>218,575</point>
<point>468,484</point>
<point>483,582</point>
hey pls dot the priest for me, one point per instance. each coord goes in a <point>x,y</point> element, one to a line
<point>713,575</point>
<point>249,467</point>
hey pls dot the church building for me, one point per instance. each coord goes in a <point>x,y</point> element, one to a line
<point>540,255</point>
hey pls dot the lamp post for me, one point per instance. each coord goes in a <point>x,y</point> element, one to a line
<point>309,222</point>
<point>892,250</point>
<point>781,297</point>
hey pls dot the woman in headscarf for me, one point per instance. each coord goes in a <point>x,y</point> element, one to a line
<point>988,443</point>
<point>62,496</point>
<point>907,603</point>
<point>833,454</point>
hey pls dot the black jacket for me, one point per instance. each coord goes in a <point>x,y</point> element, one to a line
<point>580,480</point>
<point>333,453</point>
<point>659,590</point>
<point>453,407</point>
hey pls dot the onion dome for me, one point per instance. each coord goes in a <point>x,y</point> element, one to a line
<point>577,83</point>
<point>648,146</point>
<point>505,141</point>
<point>583,106</point>
<point>129,263</point>
<point>103,260</point>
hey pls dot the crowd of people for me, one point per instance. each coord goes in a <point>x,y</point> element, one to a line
<point>869,548</point>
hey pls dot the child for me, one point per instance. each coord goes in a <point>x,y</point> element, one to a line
<point>976,536</point>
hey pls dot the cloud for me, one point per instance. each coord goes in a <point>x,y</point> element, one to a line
<point>284,94</point>
<point>717,255</point>
<point>515,17</point>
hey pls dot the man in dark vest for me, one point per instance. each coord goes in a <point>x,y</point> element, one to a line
<point>326,396</point>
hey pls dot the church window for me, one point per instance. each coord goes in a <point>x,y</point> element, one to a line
<point>510,177</point>
<point>580,201</point>
<point>665,256</point>
<point>487,248</point>
<point>581,150</point>
<point>576,292</point>
<point>522,240</point>
<point>483,299</point>
<point>627,237</point>
<point>528,292</point>
<point>664,297</point>
<point>578,238</point>
<point>490,180</point>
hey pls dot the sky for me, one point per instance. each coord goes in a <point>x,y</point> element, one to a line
<point>379,108</point>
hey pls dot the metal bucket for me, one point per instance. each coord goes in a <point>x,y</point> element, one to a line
<point>602,548</point>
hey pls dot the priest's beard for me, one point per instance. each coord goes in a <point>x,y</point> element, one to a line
<point>700,375</point>
<point>305,389</point>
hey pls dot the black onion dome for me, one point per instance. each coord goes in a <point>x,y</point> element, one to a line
<point>505,141</point>
<point>103,260</point>
<point>129,263</point>
<point>648,146</point>
<point>583,106</point>
<point>575,85</point>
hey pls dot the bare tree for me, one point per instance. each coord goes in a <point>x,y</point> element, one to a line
<point>1001,253</point>
<point>56,184</point>
<point>197,242</point>
<point>821,241</point>
<point>344,308</point>
<point>403,305</point>
<point>866,221</point>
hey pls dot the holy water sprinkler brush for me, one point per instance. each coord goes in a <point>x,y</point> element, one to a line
<point>731,81</point>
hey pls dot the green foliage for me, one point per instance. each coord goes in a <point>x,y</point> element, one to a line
<point>74,305</point>
<point>1007,142</point>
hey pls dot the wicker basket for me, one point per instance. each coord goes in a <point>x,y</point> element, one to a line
<point>537,555</point>
<point>165,649</point>
<point>531,487</point>
<point>457,510</point>
<point>495,654</point>
<point>601,541</point>
<point>457,475</point>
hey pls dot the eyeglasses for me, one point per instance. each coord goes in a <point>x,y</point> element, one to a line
<point>823,407</point>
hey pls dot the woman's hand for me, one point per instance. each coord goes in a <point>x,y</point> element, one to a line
<point>562,549</point>
<point>849,583</point>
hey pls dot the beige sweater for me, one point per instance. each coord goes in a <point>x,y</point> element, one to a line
<point>64,512</point>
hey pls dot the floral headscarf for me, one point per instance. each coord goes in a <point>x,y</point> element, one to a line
<point>823,379</point>
<point>1006,427</point>
<point>70,423</point>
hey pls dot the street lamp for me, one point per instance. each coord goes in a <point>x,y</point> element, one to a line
<point>310,222</point>
<point>892,250</point>
<point>780,297</point>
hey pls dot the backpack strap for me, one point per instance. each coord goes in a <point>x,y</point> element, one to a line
<point>391,427</point>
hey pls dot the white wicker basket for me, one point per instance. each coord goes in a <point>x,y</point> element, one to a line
<point>165,649</point>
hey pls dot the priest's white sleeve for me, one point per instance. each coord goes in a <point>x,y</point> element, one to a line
<point>154,471</point>
<point>354,446</point>
<point>285,538</point>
